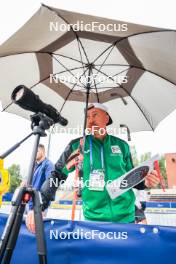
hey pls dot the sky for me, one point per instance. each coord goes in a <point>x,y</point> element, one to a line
<point>13,14</point>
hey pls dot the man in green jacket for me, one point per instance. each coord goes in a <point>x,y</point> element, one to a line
<point>105,158</point>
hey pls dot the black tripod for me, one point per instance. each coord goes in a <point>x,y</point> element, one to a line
<point>40,122</point>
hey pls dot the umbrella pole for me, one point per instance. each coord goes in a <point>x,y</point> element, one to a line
<point>75,195</point>
<point>79,166</point>
<point>87,102</point>
<point>49,144</point>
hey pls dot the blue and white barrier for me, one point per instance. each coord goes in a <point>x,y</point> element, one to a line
<point>96,243</point>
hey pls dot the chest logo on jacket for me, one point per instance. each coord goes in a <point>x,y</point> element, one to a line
<point>115,150</point>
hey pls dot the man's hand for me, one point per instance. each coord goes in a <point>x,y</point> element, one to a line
<point>30,222</point>
<point>152,179</point>
<point>74,159</point>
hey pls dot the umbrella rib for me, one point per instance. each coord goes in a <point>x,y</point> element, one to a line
<point>39,52</point>
<point>141,68</point>
<point>66,57</point>
<point>101,88</point>
<point>72,69</point>
<point>118,73</point>
<point>44,79</point>
<point>103,64</point>
<point>120,86</point>
<point>112,45</point>
<point>74,32</point>
<point>73,83</point>
<point>118,41</point>
<point>121,72</point>
<point>78,39</point>
<point>71,90</point>
<point>80,55</point>
<point>105,60</point>
<point>66,69</point>
<point>113,64</point>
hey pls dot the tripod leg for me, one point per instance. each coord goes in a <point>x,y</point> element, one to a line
<point>7,231</point>
<point>39,226</point>
<point>14,234</point>
<point>16,201</point>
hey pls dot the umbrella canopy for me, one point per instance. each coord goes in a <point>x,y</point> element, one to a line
<point>59,54</point>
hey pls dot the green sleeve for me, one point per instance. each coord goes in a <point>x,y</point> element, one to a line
<point>60,166</point>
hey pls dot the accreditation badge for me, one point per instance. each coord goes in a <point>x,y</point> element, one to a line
<point>97,180</point>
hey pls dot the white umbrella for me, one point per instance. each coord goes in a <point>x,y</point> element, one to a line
<point>130,68</point>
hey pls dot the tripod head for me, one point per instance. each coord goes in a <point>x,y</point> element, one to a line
<point>39,123</point>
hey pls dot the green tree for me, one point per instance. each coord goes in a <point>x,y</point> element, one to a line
<point>145,156</point>
<point>162,164</point>
<point>15,177</point>
<point>134,156</point>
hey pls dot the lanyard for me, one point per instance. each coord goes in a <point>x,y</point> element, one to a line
<point>91,155</point>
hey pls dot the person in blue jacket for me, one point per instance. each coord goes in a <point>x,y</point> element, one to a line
<point>42,170</point>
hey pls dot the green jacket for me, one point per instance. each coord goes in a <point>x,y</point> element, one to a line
<point>97,205</point>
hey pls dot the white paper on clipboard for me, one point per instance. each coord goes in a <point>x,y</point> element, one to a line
<point>114,188</point>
